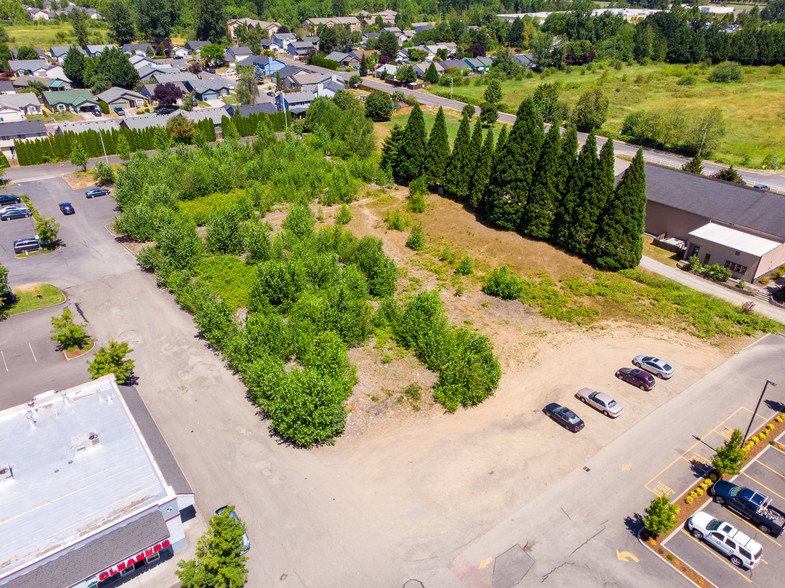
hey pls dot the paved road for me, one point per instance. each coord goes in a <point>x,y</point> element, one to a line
<point>702,285</point>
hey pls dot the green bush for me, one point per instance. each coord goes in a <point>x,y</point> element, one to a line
<point>687,81</point>
<point>727,71</point>
<point>465,266</point>
<point>416,203</point>
<point>344,215</point>
<point>503,284</point>
<point>396,220</point>
<point>416,240</point>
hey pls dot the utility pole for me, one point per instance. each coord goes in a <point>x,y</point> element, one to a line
<point>451,80</point>
<point>101,134</point>
<point>702,140</point>
<point>766,385</point>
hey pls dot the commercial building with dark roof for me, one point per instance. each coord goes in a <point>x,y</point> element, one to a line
<point>735,226</point>
<point>89,489</point>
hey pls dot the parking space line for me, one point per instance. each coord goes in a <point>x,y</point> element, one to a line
<point>719,557</point>
<point>771,469</point>
<point>745,521</point>
<point>31,352</point>
<point>764,485</point>
<point>4,363</point>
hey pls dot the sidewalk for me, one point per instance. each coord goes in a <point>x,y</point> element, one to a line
<point>706,286</point>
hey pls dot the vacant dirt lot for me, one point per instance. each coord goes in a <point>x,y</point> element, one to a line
<point>438,480</point>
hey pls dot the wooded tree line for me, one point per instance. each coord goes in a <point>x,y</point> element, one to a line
<point>531,182</point>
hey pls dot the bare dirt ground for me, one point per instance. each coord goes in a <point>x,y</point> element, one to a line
<point>438,480</point>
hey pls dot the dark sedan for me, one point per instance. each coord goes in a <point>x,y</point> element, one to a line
<point>66,208</point>
<point>636,377</point>
<point>93,192</point>
<point>564,416</point>
<point>12,212</point>
<point>5,199</point>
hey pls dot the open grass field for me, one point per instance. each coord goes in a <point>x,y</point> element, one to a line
<point>754,109</point>
<point>46,34</point>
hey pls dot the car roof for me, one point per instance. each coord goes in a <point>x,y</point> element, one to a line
<point>553,406</point>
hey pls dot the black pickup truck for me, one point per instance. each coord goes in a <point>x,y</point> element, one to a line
<point>752,506</point>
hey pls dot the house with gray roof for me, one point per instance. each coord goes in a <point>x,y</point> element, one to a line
<point>195,46</point>
<point>28,66</point>
<point>295,102</point>
<point>179,76</point>
<point>235,54</point>
<point>301,50</point>
<point>7,87</point>
<point>209,89</point>
<point>73,100</point>
<point>104,125</point>
<point>266,106</point>
<point>148,91</point>
<point>148,71</point>
<point>137,48</point>
<point>24,130</point>
<point>18,106</point>
<point>121,97</point>
<point>95,50</point>
<point>58,53</point>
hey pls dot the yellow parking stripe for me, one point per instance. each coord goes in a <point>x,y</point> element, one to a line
<point>768,468</point>
<point>753,526</point>
<point>764,485</point>
<point>718,556</point>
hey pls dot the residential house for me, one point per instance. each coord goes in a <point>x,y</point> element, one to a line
<point>301,78</point>
<point>454,64</point>
<point>324,89</point>
<point>40,52</point>
<point>18,106</point>
<point>295,102</point>
<point>148,92</point>
<point>267,65</point>
<point>360,53</point>
<point>421,68</point>
<point>735,226</point>
<point>313,40</point>
<point>177,76</point>
<point>24,130</point>
<point>402,38</point>
<point>7,87</point>
<point>287,71</point>
<point>139,61</point>
<point>526,59</point>
<point>419,27</point>
<point>57,54</point>
<point>56,72</point>
<point>22,82</point>
<point>267,106</point>
<point>314,23</point>
<point>147,72</point>
<point>146,121</point>
<point>95,50</point>
<point>387,16</point>
<point>195,46</point>
<point>388,70</point>
<point>337,56</point>
<point>476,65</point>
<point>409,33</point>
<point>180,52</point>
<point>137,49</point>
<point>301,50</point>
<point>36,13</point>
<point>121,97</point>
<point>368,36</point>
<point>209,89</point>
<point>101,125</point>
<point>271,27</point>
<point>234,54</point>
<point>73,100</point>
<point>33,67</point>
<point>281,41</point>
<point>267,44</point>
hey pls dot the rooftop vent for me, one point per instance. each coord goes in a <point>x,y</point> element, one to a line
<point>85,441</point>
<point>6,473</point>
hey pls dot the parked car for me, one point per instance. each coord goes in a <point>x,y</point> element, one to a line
<point>602,402</point>
<point>93,192</point>
<point>232,514</point>
<point>66,208</point>
<point>741,550</point>
<point>165,109</point>
<point>761,187</point>
<point>654,365</point>
<point>118,110</point>
<point>29,244</point>
<point>12,212</point>
<point>97,112</point>
<point>752,506</point>
<point>564,416</point>
<point>636,377</point>
<point>209,70</point>
<point>6,199</point>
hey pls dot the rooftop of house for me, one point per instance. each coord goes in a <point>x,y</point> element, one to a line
<point>22,128</point>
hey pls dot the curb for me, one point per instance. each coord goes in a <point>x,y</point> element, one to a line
<point>674,568</point>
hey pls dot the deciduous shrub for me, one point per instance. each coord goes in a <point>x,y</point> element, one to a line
<point>503,284</point>
<point>416,240</point>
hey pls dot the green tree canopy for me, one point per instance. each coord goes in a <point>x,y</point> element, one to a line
<point>211,17</point>
<point>591,111</point>
<point>431,75</point>
<point>598,189</point>
<point>482,172</point>
<point>378,106</point>
<point>74,66</point>
<point>120,20</point>
<point>437,151</point>
<point>411,155</point>
<point>545,192</point>
<point>458,171</point>
<point>79,21</point>
<point>155,19</point>
<point>111,360</point>
<point>660,516</point>
<point>729,456</point>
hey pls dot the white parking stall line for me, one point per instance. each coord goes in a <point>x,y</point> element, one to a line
<point>4,363</point>
<point>31,352</point>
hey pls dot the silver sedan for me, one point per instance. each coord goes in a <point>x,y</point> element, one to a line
<point>654,365</point>
<point>600,401</point>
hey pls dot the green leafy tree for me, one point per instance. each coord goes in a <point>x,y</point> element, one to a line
<point>493,93</point>
<point>155,19</point>
<point>123,149</point>
<point>211,20</point>
<point>694,165</point>
<point>598,189</point>
<point>68,334</point>
<point>618,243</point>
<point>363,66</point>
<point>26,52</point>
<point>514,167</point>
<point>388,44</point>
<point>219,560</point>
<point>6,295</point>
<point>458,171</point>
<point>406,75</point>
<point>545,193</point>
<point>162,140</point>
<point>111,360</point>
<point>46,229</point>
<point>257,241</point>
<point>247,88</point>
<point>120,20</point>
<point>74,66</point>
<point>431,75</point>
<point>482,172</point>
<point>500,141</point>
<point>214,53</point>
<point>591,111</point>
<point>79,155</point>
<point>112,66</point>
<point>437,151</point>
<point>411,155</point>
<point>660,516</point>
<point>180,129</point>
<point>581,174</point>
<point>378,106</point>
<point>103,173</point>
<point>224,232</point>
<point>79,21</point>
<point>489,113</point>
<point>729,456</point>
<point>416,239</point>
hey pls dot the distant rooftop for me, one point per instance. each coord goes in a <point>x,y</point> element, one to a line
<point>77,466</point>
<point>734,239</point>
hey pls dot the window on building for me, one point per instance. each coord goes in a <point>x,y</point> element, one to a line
<point>155,557</point>
<point>736,267</point>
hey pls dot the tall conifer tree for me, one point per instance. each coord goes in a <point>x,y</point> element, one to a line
<point>514,167</point>
<point>437,151</point>
<point>618,243</point>
<point>390,148</point>
<point>544,195</point>
<point>596,194</point>
<point>581,174</point>
<point>456,176</point>
<point>482,173</point>
<point>500,142</point>
<point>568,155</point>
<point>411,154</point>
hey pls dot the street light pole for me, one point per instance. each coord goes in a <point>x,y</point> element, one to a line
<point>702,140</point>
<point>101,134</point>
<point>766,385</point>
<point>451,81</point>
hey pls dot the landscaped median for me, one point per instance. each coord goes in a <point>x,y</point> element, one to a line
<point>665,518</point>
<point>31,297</point>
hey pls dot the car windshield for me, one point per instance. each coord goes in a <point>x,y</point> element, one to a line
<point>713,525</point>
<point>667,367</point>
<point>734,491</point>
<point>570,416</point>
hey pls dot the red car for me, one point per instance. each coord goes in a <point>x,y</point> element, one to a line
<point>636,377</point>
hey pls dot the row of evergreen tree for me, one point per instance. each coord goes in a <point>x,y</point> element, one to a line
<point>533,182</point>
<point>59,147</point>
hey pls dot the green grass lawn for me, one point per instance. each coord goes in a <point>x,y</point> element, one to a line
<point>31,297</point>
<point>229,276</point>
<point>754,109</point>
<point>44,34</point>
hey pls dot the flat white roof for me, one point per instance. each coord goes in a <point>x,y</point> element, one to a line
<point>734,239</point>
<point>64,486</point>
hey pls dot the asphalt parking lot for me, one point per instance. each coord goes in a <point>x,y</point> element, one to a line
<point>764,475</point>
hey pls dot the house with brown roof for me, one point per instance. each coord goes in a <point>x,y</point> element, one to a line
<point>331,21</point>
